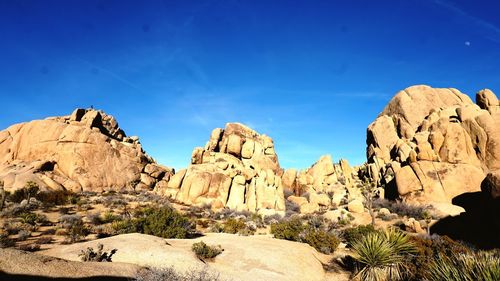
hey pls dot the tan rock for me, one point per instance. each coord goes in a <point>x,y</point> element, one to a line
<point>356,206</point>
<point>309,208</point>
<point>491,185</point>
<point>248,149</point>
<point>86,150</point>
<point>297,200</point>
<point>320,199</point>
<point>486,99</point>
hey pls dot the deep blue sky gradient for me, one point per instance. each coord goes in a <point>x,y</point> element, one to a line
<point>311,74</point>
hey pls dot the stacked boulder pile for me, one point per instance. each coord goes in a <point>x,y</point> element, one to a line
<point>237,169</point>
<point>323,185</point>
<point>85,151</point>
<point>430,145</point>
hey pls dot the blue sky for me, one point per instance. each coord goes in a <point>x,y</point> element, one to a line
<point>311,74</point>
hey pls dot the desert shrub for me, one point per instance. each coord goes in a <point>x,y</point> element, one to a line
<point>321,240</point>
<point>5,241</point>
<point>96,256</point>
<point>54,197</point>
<point>29,247</point>
<point>110,217</point>
<point>350,235</point>
<point>272,219</point>
<point>203,223</point>
<point>33,218</point>
<point>126,226</point>
<point>234,226</point>
<point>465,267</point>
<point>162,222</point>
<point>167,223</point>
<point>403,209</point>
<point>17,196</point>
<point>216,228</point>
<point>64,210</point>
<point>313,233</point>
<point>383,255</point>
<point>170,274</point>
<point>74,226</point>
<point>288,229</point>
<point>28,191</point>
<point>44,240</point>
<point>203,251</point>
<point>292,207</point>
<point>95,218</point>
<point>430,249</point>
<point>14,210</point>
<point>67,220</point>
<point>22,235</point>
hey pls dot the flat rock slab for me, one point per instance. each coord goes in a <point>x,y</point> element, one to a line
<point>19,265</point>
<point>244,258</point>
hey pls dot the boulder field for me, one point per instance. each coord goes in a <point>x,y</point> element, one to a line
<point>431,145</point>
<point>427,146</point>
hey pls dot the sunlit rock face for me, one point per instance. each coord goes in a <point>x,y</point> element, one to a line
<point>85,151</point>
<point>238,169</point>
<point>431,144</point>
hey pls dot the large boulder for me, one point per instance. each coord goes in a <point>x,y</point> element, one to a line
<point>434,144</point>
<point>237,169</point>
<point>86,151</point>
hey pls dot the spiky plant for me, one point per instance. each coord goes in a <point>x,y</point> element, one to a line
<point>383,255</point>
<point>465,267</point>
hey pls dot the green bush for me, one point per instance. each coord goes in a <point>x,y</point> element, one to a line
<point>234,226</point>
<point>312,234</point>
<point>288,229</point>
<point>430,249</point>
<point>321,240</point>
<point>353,234</point>
<point>33,218</point>
<point>29,190</point>
<point>465,267</point>
<point>383,256</point>
<point>110,217</point>
<point>162,222</point>
<point>203,251</point>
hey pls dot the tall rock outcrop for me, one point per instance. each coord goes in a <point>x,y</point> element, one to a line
<point>434,144</point>
<point>85,151</point>
<point>238,169</point>
<point>322,177</point>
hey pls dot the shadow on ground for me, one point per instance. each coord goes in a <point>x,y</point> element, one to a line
<point>17,277</point>
<point>479,225</point>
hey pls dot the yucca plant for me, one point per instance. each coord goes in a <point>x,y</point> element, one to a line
<point>465,267</point>
<point>383,255</point>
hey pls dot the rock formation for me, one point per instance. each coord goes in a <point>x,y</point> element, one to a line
<point>324,182</point>
<point>237,169</point>
<point>86,151</point>
<point>434,144</point>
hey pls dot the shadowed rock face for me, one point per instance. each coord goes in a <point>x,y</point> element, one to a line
<point>435,144</point>
<point>238,169</point>
<point>86,151</point>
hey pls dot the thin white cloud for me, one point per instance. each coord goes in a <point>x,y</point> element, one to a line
<point>492,28</point>
<point>113,74</point>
